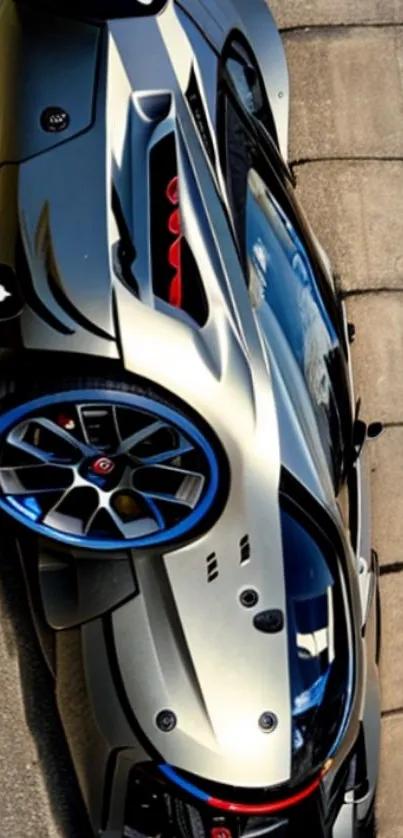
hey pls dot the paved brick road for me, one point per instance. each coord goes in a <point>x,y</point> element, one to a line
<point>347,133</point>
<point>346,64</point>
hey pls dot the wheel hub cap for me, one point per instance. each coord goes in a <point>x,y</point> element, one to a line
<point>103,466</point>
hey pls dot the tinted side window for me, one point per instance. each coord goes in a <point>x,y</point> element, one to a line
<point>241,95</point>
<point>281,276</point>
<point>244,75</point>
<point>240,79</point>
<point>238,154</point>
<point>315,330</point>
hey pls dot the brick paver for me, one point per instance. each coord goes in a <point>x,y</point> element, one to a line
<point>349,100</point>
<point>391,671</point>
<point>386,459</point>
<point>347,105</point>
<point>324,12</point>
<point>377,354</point>
<point>390,804</point>
<point>346,201</point>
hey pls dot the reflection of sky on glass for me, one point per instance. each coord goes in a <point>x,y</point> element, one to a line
<point>312,697</point>
<point>237,73</point>
<point>280,273</point>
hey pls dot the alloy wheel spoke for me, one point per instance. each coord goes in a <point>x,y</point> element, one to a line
<point>91,519</point>
<point>66,436</point>
<point>142,435</point>
<point>55,506</point>
<point>57,519</point>
<point>12,479</point>
<point>174,485</point>
<point>134,529</point>
<point>15,438</point>
<point>184,447</point>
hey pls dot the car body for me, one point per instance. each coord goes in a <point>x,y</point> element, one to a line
<point>182,459</point>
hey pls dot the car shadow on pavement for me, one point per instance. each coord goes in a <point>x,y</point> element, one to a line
<point>67,807</point>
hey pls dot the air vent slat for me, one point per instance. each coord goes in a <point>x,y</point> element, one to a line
<point>245,552</point>
<point>212,567</point>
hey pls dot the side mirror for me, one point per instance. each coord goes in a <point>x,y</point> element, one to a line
<point>363,433</point>
<point>375,430</point>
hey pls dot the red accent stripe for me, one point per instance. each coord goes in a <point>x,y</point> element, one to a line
<point>265,808</point>
<point>175,291</point>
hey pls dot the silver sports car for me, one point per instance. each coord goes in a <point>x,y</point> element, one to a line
<point>182,459</point>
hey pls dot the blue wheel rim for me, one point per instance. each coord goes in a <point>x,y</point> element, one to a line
<point>26,511</point>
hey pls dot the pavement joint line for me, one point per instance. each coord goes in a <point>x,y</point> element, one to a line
<point>388,569</point>
<point>397,424</point>
<point>306,27</point>
<point>394,711</point>
<point>364,292</point>
<point>340,158</point>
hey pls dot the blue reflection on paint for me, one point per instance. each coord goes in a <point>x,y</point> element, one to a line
<point>173,775</point>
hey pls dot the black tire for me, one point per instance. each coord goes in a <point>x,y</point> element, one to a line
<point>17,389</point>
<point>16,392</point>
<point>368,829</point>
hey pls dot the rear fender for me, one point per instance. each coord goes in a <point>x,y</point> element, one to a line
<point>261,31</point>
<point>217,18</point>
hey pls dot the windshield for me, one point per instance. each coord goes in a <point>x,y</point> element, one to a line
<point>282,281</point>
<point>318,645</point>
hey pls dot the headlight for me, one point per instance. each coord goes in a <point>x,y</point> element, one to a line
<point>318,645</point>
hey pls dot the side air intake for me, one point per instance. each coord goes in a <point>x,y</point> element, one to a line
<point>175,275</point>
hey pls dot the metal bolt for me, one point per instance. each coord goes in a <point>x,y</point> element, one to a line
<point>166,720</point>
<point>249,598</point>
<point>268,721</point>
